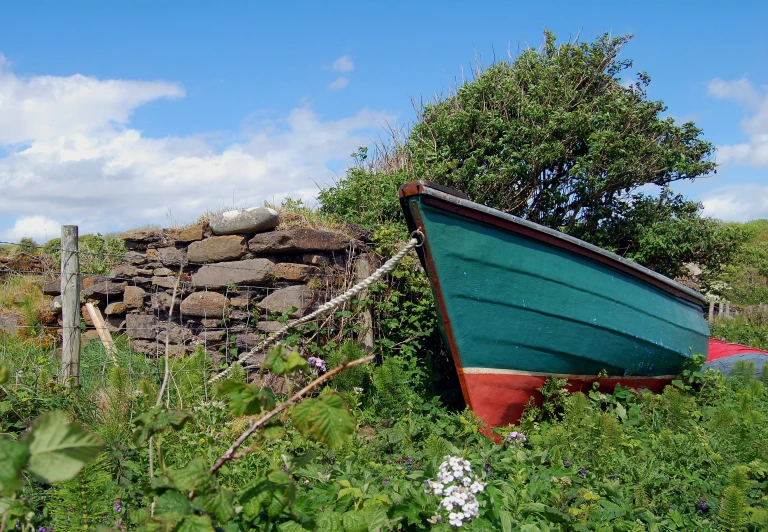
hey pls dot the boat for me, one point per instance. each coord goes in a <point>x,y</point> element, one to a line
<point>724,357</point>
<point>519,303</point>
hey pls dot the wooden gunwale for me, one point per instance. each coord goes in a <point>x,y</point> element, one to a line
<point>451,201</point>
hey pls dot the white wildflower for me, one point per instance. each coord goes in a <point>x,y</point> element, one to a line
<point>457,486</point>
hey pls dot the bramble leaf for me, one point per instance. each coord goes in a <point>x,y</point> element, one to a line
<point>58,450</point>
<point>375,517</point>
<point>193,477</point>
<point>330,522</point>
<point>13,457</point>
<point>219,503</point>
<point>196,523</point>
<point>273,431</point>
<point>296,362</point>
<point>157,420</point>
<point>354,521</point>
<point>325,418</point>
<point>228,386</point>
<point>291,526</point>
<point>173,503</point>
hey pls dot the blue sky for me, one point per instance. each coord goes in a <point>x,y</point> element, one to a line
<point>116,116</point>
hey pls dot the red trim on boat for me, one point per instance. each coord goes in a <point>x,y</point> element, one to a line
<point>499,398</point>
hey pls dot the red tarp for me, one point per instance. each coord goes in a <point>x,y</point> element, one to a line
<point>720,349</point>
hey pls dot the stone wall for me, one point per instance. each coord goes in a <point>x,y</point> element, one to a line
<point>238,276</point>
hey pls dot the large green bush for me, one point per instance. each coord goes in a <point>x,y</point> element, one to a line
<point>746,275</point>
<point>557,137</point>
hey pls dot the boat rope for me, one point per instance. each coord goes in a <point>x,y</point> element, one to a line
<point>417,239</point>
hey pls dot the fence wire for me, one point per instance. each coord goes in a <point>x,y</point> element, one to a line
<point>31,329</point>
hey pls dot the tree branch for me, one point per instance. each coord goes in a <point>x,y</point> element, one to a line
<point>298,396</point>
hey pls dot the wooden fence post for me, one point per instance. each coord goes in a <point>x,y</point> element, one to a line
<point>727,309</point>
<point>711,310</point>
<point>720,307</point>
<point>70,307</point>
<point>363,271</point>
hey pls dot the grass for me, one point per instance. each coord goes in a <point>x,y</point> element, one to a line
<point>749,328</point>
<point>7,249</point>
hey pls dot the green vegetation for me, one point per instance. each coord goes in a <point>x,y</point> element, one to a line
<point>746,277</point>
<point>27,245</point>
<point>748,328</point>
<point>555,137</point>
<point>98,253</point>
<point>692,458</point>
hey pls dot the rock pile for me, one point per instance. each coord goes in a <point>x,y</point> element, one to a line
<point>238,276</point>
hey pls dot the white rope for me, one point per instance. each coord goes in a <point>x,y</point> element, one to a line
<point>332,304</point>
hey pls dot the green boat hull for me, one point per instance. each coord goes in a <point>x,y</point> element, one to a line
<point>517,304</point>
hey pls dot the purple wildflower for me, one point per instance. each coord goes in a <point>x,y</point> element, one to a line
<point>488,468</point>
<point>567,463</point>
<point>703,506</point>
<point>515,437</point>
<point>319,363</point>
<point>42,529</point>
<point>118,507</point>
<point>583,472</point>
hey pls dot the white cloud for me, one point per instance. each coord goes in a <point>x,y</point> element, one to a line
<point>340,83</point>
<point>43,107</point>
<point>95,171</point>
<point>754,152</point>
<point>741,91</point>
<point>737,203</point>
<point>38,228</point>
<point>343,64</point>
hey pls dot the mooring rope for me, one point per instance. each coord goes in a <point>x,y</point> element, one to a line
<point>417,238</point>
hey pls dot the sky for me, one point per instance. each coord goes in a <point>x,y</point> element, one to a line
<point>120,115</point>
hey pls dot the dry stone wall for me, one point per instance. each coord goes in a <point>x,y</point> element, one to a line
<point>238,276</point>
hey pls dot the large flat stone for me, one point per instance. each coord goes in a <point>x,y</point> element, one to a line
<point>135,258</point>
<point>171,256</point>
<point>297,241</point>
<point>269,326</point>
<point>115,309</point>
<point>88,281</point>
<point>205,305</point>
<point>280,301</point>
<point>212,335</point>
<point>189,234</point>
<point>143,326</point>
<point>162,301</point>
<point>10,323</point>
<point>217,249</point>
<point>295,272</point>
<point>165,282</point>
<point>133,297</point>
<point>176,334</point>
<point>253,220</point>
<point>244,272</point>
<point>142,235</point>
<point>105,289</point>
<point>123,271</point>
<point>52,287</point>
